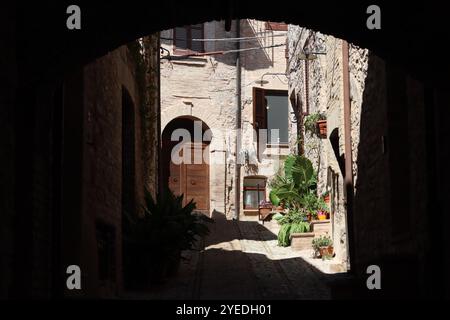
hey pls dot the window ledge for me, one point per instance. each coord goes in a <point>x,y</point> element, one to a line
<point>195,62</point>
<point>277,146</point>
<point>251,212</point>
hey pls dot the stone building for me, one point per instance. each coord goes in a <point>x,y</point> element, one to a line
<point>371,159</point>
<point>205,81</point>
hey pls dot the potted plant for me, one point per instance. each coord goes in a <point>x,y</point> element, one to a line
<point>293,221</point>
<point>322,215</point>
<point>316,123</point>
<point>326,197</point>
<point>323,247</point>
<point>265,209</point>
<point>322,125</point>
<point>161,232</point>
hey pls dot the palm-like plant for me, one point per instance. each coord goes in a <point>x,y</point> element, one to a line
<point>165,228</point>
<point>296,188</point>
<point>298,180</point>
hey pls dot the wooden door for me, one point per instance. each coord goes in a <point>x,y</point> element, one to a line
<point>192,180</point>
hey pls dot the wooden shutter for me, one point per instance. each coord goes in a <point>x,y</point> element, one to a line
<point>181,37</point>
<point>196,32</point>
<point>259,113</point>
<point>259,109</point>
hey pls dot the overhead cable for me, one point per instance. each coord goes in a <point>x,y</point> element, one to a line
<point>227,39</point>
<point>200,54</point>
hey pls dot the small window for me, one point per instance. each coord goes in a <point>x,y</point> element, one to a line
<point>254,192</point>
<point>183,38</point>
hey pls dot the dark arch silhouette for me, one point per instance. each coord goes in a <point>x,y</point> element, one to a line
<point>41,48</point>
<point>105,26</point>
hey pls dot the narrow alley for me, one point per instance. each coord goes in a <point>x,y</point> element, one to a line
<point>223,150</point>
<point>241,260</point>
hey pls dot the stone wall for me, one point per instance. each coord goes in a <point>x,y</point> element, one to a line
<point>318,88</point>
<point>67,152</point>
<point>205,88</point>
<point>389,225</point>
<point>106,80</point>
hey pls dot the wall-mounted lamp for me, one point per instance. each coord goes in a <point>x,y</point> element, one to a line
<point>262,81</point>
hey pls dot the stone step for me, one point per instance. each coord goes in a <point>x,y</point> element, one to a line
<point>321,227</point>
<point>302,241</point>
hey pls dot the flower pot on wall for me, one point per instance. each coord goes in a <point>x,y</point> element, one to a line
<point>322,124</point>
<point>326,252</point>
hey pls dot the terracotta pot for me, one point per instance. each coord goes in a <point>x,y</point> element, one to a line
<point>326,251</point>
<point>322,127</point>
<point>327,198</point>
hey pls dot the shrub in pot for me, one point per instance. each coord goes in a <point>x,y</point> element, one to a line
<point>323,247</point>
<point>316,124</point>
<point>163,230</point>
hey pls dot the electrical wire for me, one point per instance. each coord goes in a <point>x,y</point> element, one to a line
<point>241,39</point>
<point>200,54</point>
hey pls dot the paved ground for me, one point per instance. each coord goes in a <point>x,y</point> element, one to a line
<point>241,260</point>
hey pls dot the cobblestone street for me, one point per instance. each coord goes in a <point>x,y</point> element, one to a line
<point>241,260</point>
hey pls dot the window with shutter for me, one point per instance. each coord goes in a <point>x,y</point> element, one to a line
<point>259,104</point>
<point>271,112</point>
<point>182,39</point>
<point>259,116</point>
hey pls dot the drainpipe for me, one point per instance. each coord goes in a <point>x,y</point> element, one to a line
<point>160,182</point>
<point>348,179</point>
<point>237,179</point>
<point>306,86</point>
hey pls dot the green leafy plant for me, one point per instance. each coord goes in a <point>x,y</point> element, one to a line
<point>293,216</point>
<point>323,246</point>
<point>300,227</point>
<point>164,229</point>
<point>274,198</point>
<point>322,241</point>
<point>292,222</point>
<point>313,204</point>
<point>284,235</point>
<point>310,123</point>
<point>298,179</point>
<point>277,216</point>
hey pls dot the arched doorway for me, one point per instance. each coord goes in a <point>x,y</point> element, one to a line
<point>185,161</point>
